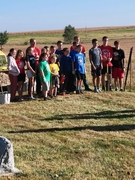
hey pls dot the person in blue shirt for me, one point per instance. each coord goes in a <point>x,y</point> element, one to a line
<point>78,66</point>
<point>59,47</point>
<point>66,71</point>
<point>74,50</point>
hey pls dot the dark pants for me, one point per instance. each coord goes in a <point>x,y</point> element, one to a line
<point>70,82</point>
<point>38,83</point>
<point>85,82</point>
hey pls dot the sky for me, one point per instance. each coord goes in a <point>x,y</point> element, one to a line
<point>38,15</point>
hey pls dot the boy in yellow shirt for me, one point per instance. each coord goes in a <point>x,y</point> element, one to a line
<point>54,76</point>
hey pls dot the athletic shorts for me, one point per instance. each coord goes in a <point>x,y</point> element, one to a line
<point>96,72</point>
<point>104,70</point>
<point>79,76</point>
<point>54,81</point>
<point>21,77</point>
<point>46,86</point>
<point>117,73</point>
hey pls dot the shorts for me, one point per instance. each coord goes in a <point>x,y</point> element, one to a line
<point>46,86</point>
<point>117,73</point>
<point>96,72</point>
<point>21,77</point>
<point>30,74</point>
<point>104,70</point>
<point>54,81</point>
<point>79,76</point>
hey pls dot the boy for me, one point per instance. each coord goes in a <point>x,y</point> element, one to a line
<point>107,53</point>
<point>78,65</point>
<point>77,40</point>
<point>118,65</point>
<point>59,48</point>
<point>95,60</point>
<point>54,77</point>
<point>52,52</point>
<point>66,71</point>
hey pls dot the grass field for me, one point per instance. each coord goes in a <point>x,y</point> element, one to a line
<point>73,137</point>
<point>90,136</point>
<point>86,34</point>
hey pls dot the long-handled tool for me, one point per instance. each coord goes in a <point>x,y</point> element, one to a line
<point>107,79</point>
<point>128,66</point>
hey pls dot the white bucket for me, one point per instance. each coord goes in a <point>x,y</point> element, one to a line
<point>5,98</point>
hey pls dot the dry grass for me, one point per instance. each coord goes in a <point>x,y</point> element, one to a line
<point>75,137</point>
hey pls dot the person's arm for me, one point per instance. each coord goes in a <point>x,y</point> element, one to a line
<point>29,66</point>
<point>101,61</point>
<point>110,54</point>
<point>61,66</point>
<point>123,63</point>
<point>91,62</point>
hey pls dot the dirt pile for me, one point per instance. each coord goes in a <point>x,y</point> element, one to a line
<point>4,79</point>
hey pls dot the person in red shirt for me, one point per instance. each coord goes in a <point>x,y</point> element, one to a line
<point>52,52</point>
<point>107,53</point>
<point>77,40</point>
<point>20,61</point>
<point>36,52</point>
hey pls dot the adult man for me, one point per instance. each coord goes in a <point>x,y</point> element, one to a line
<point>107,53</point>
<point>77,40</point>
<point>36,53</point>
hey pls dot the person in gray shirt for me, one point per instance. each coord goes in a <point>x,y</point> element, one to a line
<point>96,66</point>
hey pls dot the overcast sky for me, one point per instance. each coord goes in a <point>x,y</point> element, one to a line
<point>34,15</point>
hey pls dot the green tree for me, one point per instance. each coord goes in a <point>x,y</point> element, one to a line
<point>69,33</point>
<point>3,39</point>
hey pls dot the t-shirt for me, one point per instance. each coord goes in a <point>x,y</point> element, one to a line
<point>79,61</point>
<point>95,54</point>
<point>118,56</point>
<point>83,48</point>
<point>65,64</point>
<point>58,51</point>
<point>21,63</point>
<point>44,66</point>
<point>35,52</point>
<point>31,60</point>
<point>54,68</point>
<point>72,53</point>
<point>107,52</point>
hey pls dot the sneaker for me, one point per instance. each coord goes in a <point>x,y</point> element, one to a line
<point>103,88</point>
<point>47,98</point>
<point>96,90</point>
<point>116,89</point>
<point>99,90</point>
<point>81,91</point>
<point>110,88</point>
<point>77,92</point>
<point>121,89</point>
<point>32,98</point>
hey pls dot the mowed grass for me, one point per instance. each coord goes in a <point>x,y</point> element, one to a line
<point>76,137</point>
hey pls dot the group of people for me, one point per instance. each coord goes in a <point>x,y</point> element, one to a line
<point>62,70</point>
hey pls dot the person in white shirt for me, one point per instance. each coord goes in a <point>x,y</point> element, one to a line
<point>13,72</point>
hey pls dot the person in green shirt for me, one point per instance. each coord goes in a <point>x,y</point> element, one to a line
<point>45,75</point>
